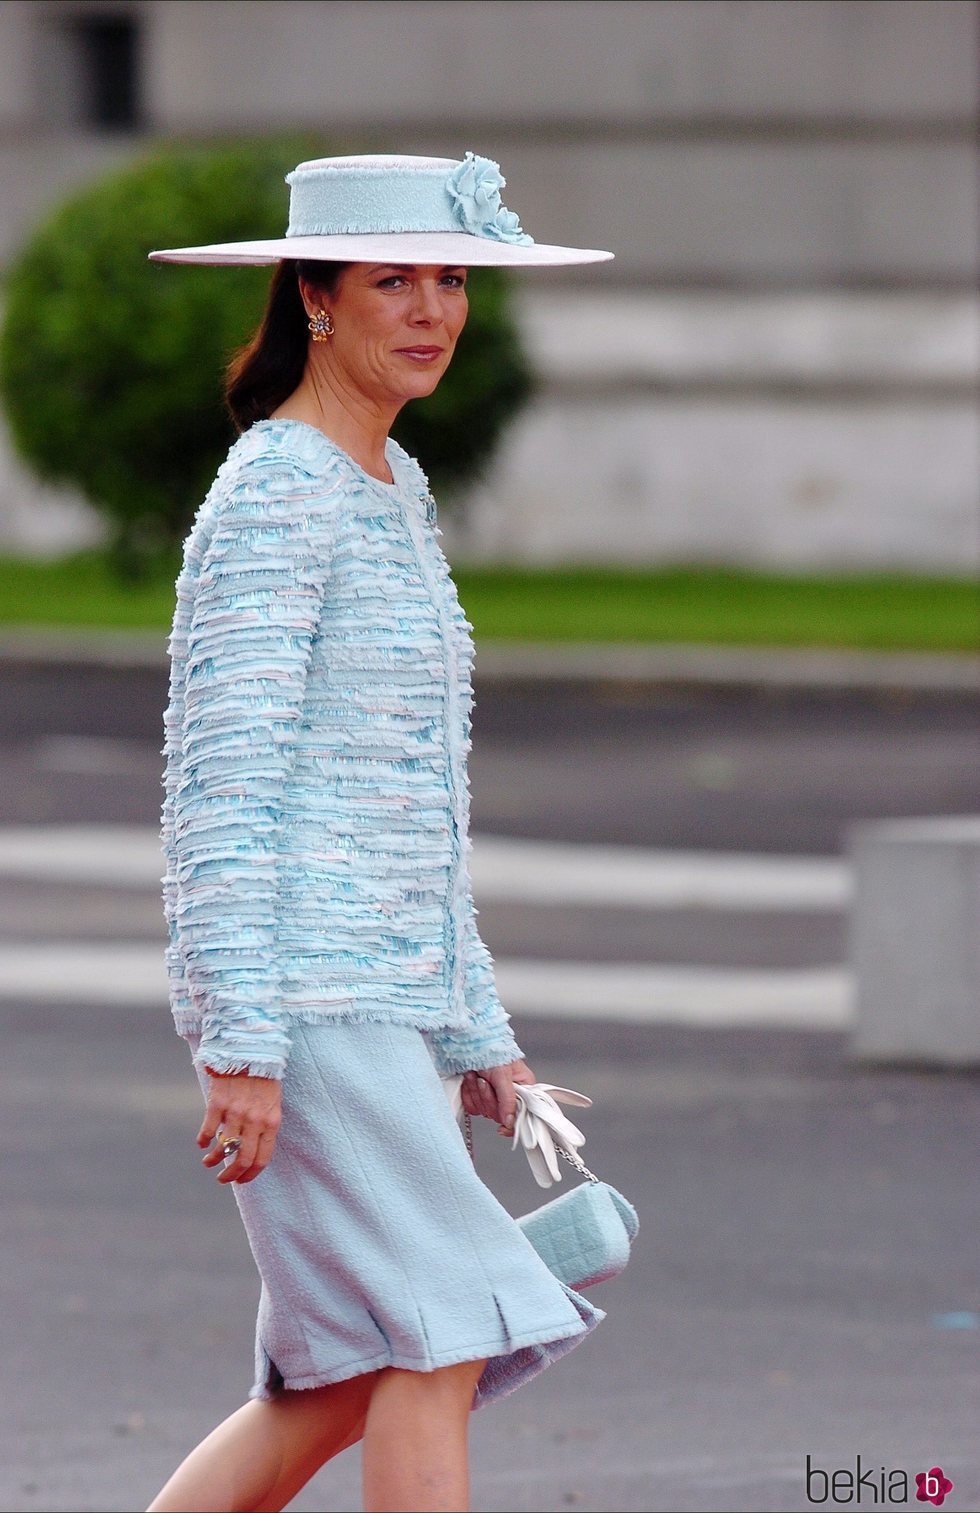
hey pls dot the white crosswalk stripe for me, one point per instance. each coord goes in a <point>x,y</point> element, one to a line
<point>504,870</point>
<point>131,975</point>
<point>121,856</point>
<point>547,872</point>
<point>817,997</point>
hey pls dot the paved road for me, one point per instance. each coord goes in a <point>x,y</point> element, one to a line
<point>806,1279</point>
<point>809,1230</point>
<point>737,771</point>
<point>757,773</point>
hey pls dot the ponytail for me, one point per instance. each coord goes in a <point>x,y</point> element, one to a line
<point>263,373</point>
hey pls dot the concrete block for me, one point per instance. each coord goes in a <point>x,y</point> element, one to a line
<point>915,940</point>
<point>837,484</point>
<point>806,343</point>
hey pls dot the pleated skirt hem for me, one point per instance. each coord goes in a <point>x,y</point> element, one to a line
<point>560,1338</point>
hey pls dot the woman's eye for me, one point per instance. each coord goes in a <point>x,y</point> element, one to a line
<point>395,280</point>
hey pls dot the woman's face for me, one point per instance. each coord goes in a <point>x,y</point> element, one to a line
<point>395,327</point>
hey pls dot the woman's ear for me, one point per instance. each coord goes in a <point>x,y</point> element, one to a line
<point>309,296</point>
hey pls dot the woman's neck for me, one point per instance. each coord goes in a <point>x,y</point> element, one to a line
<point>346,418</point>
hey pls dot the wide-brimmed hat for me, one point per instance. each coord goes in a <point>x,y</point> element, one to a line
<point>395,209</point>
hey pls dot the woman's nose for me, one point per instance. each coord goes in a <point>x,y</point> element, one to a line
<point>427,309</point>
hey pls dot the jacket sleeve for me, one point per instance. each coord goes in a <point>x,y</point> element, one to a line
<point>257,606</point>
<point>487,1039</point>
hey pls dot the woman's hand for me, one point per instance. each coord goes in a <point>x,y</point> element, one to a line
<point>247,1109</point>
<point>490,1093</point>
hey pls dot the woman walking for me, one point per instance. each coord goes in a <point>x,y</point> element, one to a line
<point>324,960</point>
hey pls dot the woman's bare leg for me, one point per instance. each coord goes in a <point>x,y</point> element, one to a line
<point>260,1457</point>
<point>415,1440</point>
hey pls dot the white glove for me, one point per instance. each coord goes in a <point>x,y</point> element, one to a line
<point>452,1083</point>
<point>542,1129</point>
<point>539,1125</point>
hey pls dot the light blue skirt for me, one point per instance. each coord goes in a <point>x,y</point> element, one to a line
<point>376,1241</point>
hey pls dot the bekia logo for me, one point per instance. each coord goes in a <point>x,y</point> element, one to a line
<point>933,1485</point>
<point>873,1487</point>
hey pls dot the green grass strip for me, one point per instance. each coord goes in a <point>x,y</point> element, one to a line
<point>725,608</point>
<point>80,590</point>
<point>714,606</point>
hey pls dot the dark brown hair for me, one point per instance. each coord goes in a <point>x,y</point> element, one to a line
<point>268,368</point>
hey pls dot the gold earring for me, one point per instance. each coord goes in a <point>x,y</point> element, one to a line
<point>321,325</point>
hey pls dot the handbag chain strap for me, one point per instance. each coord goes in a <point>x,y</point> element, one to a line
<point>572,1157</point>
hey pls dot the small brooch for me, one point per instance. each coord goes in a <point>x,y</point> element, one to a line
<point>429,505</point>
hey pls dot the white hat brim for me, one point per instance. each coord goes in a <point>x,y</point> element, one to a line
<point>447,248</point>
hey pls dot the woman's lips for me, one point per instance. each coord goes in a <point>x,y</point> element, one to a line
<point>420,354</point>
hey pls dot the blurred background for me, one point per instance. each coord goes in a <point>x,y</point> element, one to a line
<point>779,367</point>
<point>722,560</point>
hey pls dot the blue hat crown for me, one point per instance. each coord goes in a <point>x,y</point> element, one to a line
<point>377,195</point>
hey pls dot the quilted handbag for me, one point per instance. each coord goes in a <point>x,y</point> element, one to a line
<point>584,1236</point>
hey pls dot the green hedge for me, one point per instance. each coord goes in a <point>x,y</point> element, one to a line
<point>111,366</point>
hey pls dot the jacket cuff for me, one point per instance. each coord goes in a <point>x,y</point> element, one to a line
<point>453,1053</point>
<point>213,1060</point>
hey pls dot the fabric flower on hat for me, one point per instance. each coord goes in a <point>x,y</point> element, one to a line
<point>474,187</point>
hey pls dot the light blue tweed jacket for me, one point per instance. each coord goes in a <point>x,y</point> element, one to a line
<point>316,815</point>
